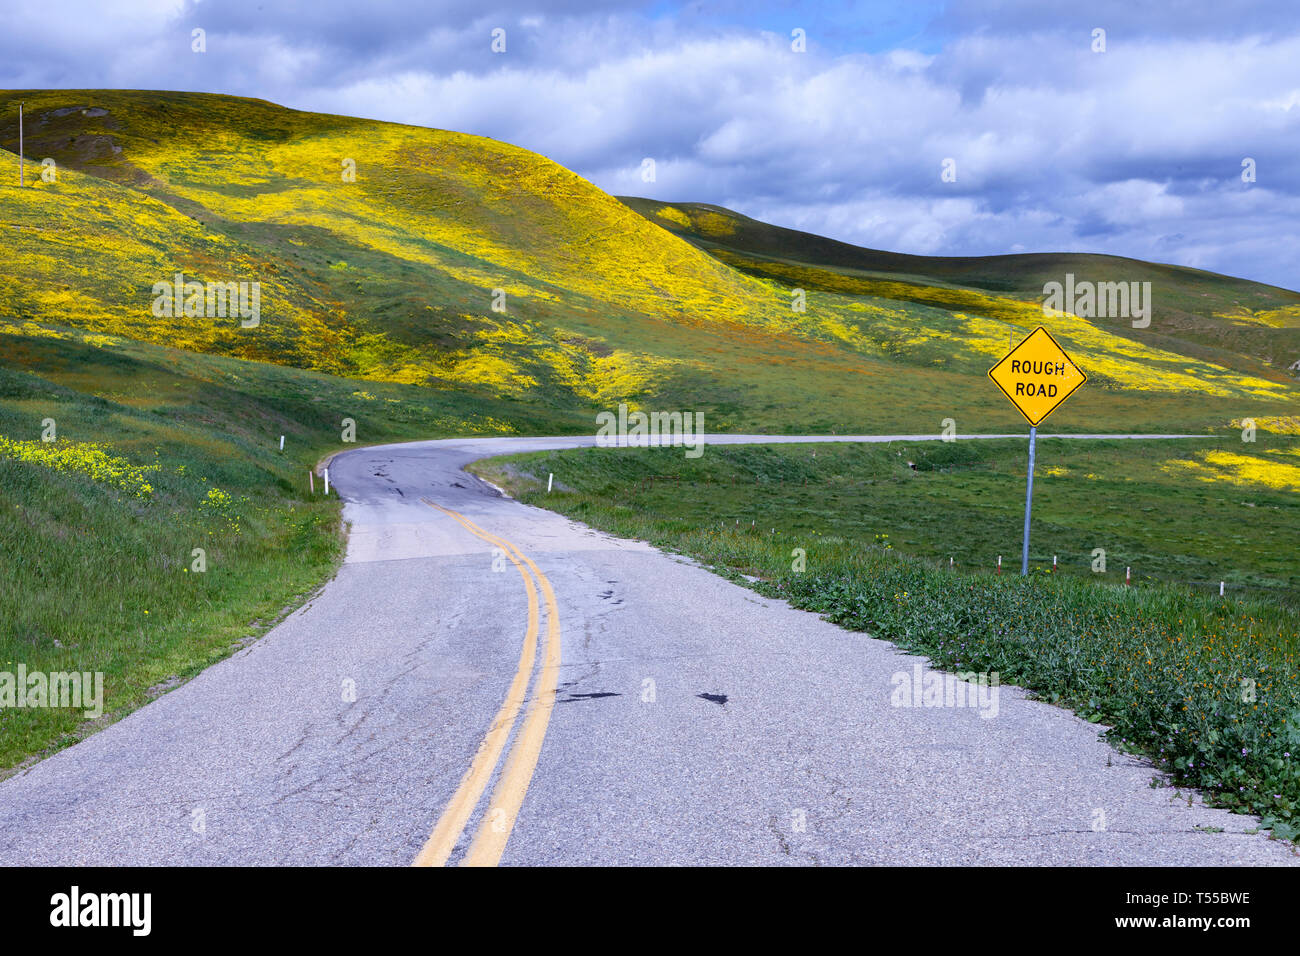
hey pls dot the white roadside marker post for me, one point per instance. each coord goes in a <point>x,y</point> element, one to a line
<point>1220,589</point>
<point>327,481</point>
<point>550,478</point>
<point>281,443</point>
<point>311,480</point>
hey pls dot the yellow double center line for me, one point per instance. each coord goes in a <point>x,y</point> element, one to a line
<point>499,819</point>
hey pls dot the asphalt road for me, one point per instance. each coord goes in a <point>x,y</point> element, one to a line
<point>487,682</point>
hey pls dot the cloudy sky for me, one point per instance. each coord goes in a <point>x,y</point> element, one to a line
<point>1137,150</point>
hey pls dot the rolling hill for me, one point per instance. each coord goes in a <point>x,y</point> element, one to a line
<point>394,277</point>
<point>1242,324</point>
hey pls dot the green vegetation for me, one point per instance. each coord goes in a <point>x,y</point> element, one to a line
<point>1208,688</point>
<point>158,452</point>
<point>391,277</point>
<point>1193,512</point>
<point>1241,324</point>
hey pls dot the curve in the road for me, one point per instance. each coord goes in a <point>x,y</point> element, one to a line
<point>500,817</point>
<point>674,718</point>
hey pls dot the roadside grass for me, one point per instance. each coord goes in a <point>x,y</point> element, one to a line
<point>157,453</point>
<point>1186,511</point>
<point>1209,689</point>
<point>96,580</point>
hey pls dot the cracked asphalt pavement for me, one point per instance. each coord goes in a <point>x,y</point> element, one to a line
<point>695,722</point>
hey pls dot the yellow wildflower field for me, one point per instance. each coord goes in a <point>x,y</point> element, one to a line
<point>1215,466</point>
<point>83,458</point>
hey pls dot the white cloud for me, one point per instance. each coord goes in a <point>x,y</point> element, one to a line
<point>1056,147</point>
<point>1134,201</point>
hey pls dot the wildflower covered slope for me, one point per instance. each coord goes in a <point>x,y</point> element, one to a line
<point>419,256</point>
<point>83,458</point>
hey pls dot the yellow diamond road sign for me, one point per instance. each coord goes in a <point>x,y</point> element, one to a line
<point>1037,375</point>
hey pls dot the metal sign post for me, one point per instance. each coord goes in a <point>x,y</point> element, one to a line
<point>1029,502</point>
<point>20,144</point>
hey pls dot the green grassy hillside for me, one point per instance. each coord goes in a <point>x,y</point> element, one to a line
<point>1248,326</point>
<point>392,277</point>
<point>157,452</point>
